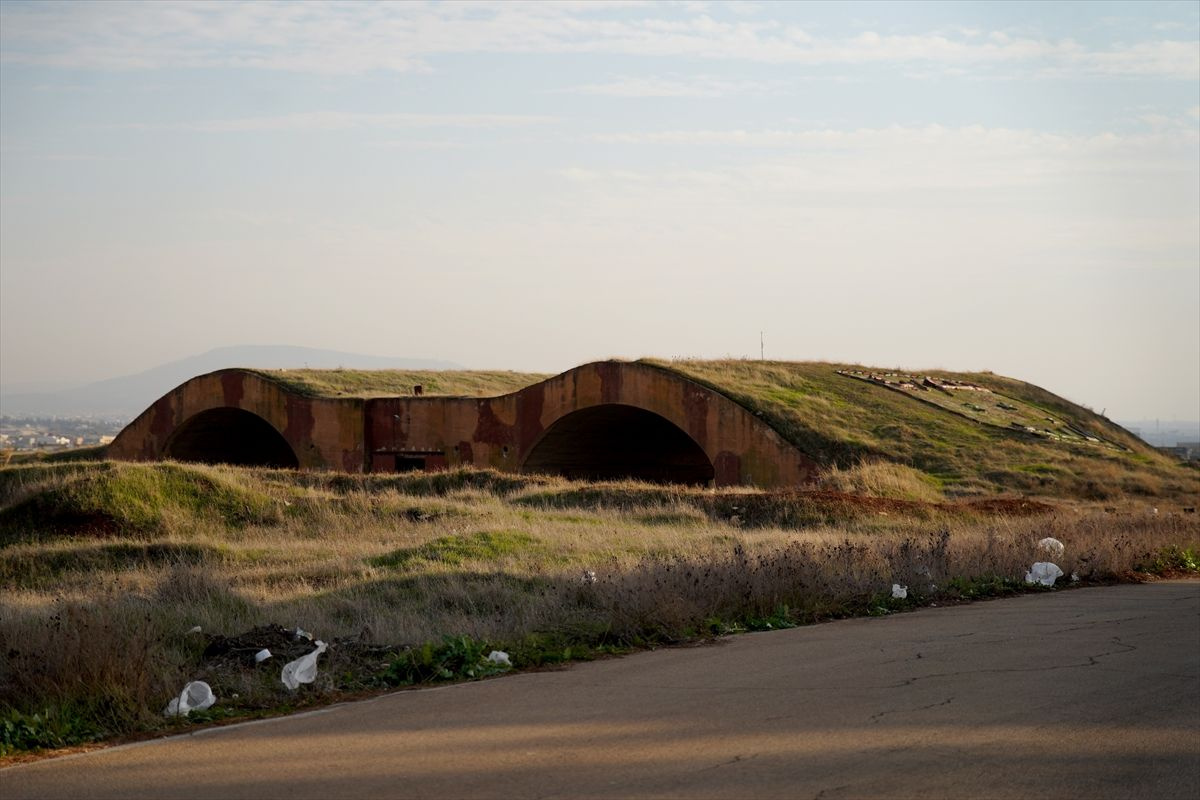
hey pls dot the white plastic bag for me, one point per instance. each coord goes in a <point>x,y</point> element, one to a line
<point>499,657</point>
<point>196,696</point>
<point>1043,572</point>
<point>303,669</point>
<point>899,592</point>
<point>1052,546</point>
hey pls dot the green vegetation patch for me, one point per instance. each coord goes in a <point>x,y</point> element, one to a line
<point>421,484</point>
<point>95,452</point>
<point>454,658</point>
<point>600,496</point>
<point>43,568</point>
<point>363,383</point>
<point>1172,560</point>
<point>460,548</point>
<point>131,499</point>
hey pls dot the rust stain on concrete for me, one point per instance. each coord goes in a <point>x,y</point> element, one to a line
<point>490,429</point>
<point>233,386</point>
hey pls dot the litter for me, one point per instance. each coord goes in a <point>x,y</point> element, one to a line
<point>589,577</point>
<point>299,633</point>
<point>303,669</point>
<point>195,629</point>
<point>1052,546</point>
<point>899,592</point>
<point>1075,577</point>
<point>1043,572</point>
<point>499,657</point>
<point>262,655</point>
<point>196,696</point>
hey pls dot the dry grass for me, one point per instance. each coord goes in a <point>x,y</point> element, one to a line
<point>106,566</point>
<point>883,479</point>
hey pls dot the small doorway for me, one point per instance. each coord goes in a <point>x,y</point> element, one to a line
<point>409,461</point>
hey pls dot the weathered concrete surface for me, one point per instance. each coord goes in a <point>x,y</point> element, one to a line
<point>1092,693</point>
<point>324,433</point>
<point>385,434</point>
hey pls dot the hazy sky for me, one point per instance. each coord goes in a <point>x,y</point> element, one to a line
<point>1002,186</point>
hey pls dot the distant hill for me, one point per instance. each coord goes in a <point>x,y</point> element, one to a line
<point>128,396</point>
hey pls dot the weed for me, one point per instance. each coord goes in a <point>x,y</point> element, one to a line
<point>1171,559</point>
<point>47,729</point>
<point>454,550</point>
<point>455,658</point>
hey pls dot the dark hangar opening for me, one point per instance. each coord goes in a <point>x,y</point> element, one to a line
<point>230,436</point>
<point>613,442</point>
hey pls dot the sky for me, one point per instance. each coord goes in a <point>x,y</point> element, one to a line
<point>1006,186</point>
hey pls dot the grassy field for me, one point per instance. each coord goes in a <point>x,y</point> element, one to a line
<point>106,567</point>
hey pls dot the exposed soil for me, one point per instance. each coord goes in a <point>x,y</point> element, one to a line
<point>1003,506</point>
<point>230,660</point>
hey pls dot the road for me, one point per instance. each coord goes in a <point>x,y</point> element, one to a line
<point>1089,693</point>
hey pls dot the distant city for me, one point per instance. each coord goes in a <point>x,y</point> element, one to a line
<point>1179,438</point>
<point>22,434</point>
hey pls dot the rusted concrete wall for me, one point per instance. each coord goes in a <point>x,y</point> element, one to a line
<point>500,432</point>
<point>324,433</point>
<point>435,432</point>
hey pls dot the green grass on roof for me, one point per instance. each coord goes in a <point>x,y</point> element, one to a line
<point>396,382</point>
<point>840,421</point>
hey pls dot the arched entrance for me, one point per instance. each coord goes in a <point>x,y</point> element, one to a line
<point>612,442</point>
<point>230,436</point>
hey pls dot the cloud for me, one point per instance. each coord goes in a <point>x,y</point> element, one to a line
<point>345,120</point>
<point>351,38</point>
<point>902,159</point>
<point>674,86</point>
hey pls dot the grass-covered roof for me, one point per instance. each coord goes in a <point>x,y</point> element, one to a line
<point>839,419</point>
<point>395,382</point>
<point>1012,437</point>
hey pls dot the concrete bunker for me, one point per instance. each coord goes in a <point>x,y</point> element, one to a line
<point>230,436</point>
<point>614,442</point>
<point>606,420</point>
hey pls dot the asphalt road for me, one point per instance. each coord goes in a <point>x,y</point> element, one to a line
<point>1090,693</point>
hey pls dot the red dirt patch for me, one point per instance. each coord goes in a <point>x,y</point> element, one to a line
<point>1003,506</point>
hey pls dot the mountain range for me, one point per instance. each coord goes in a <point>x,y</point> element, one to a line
<point>127,396</point>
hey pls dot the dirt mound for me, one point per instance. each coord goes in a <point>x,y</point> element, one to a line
<point>1005,506</point>
<point>228,664</point>
<point>284,644</point>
